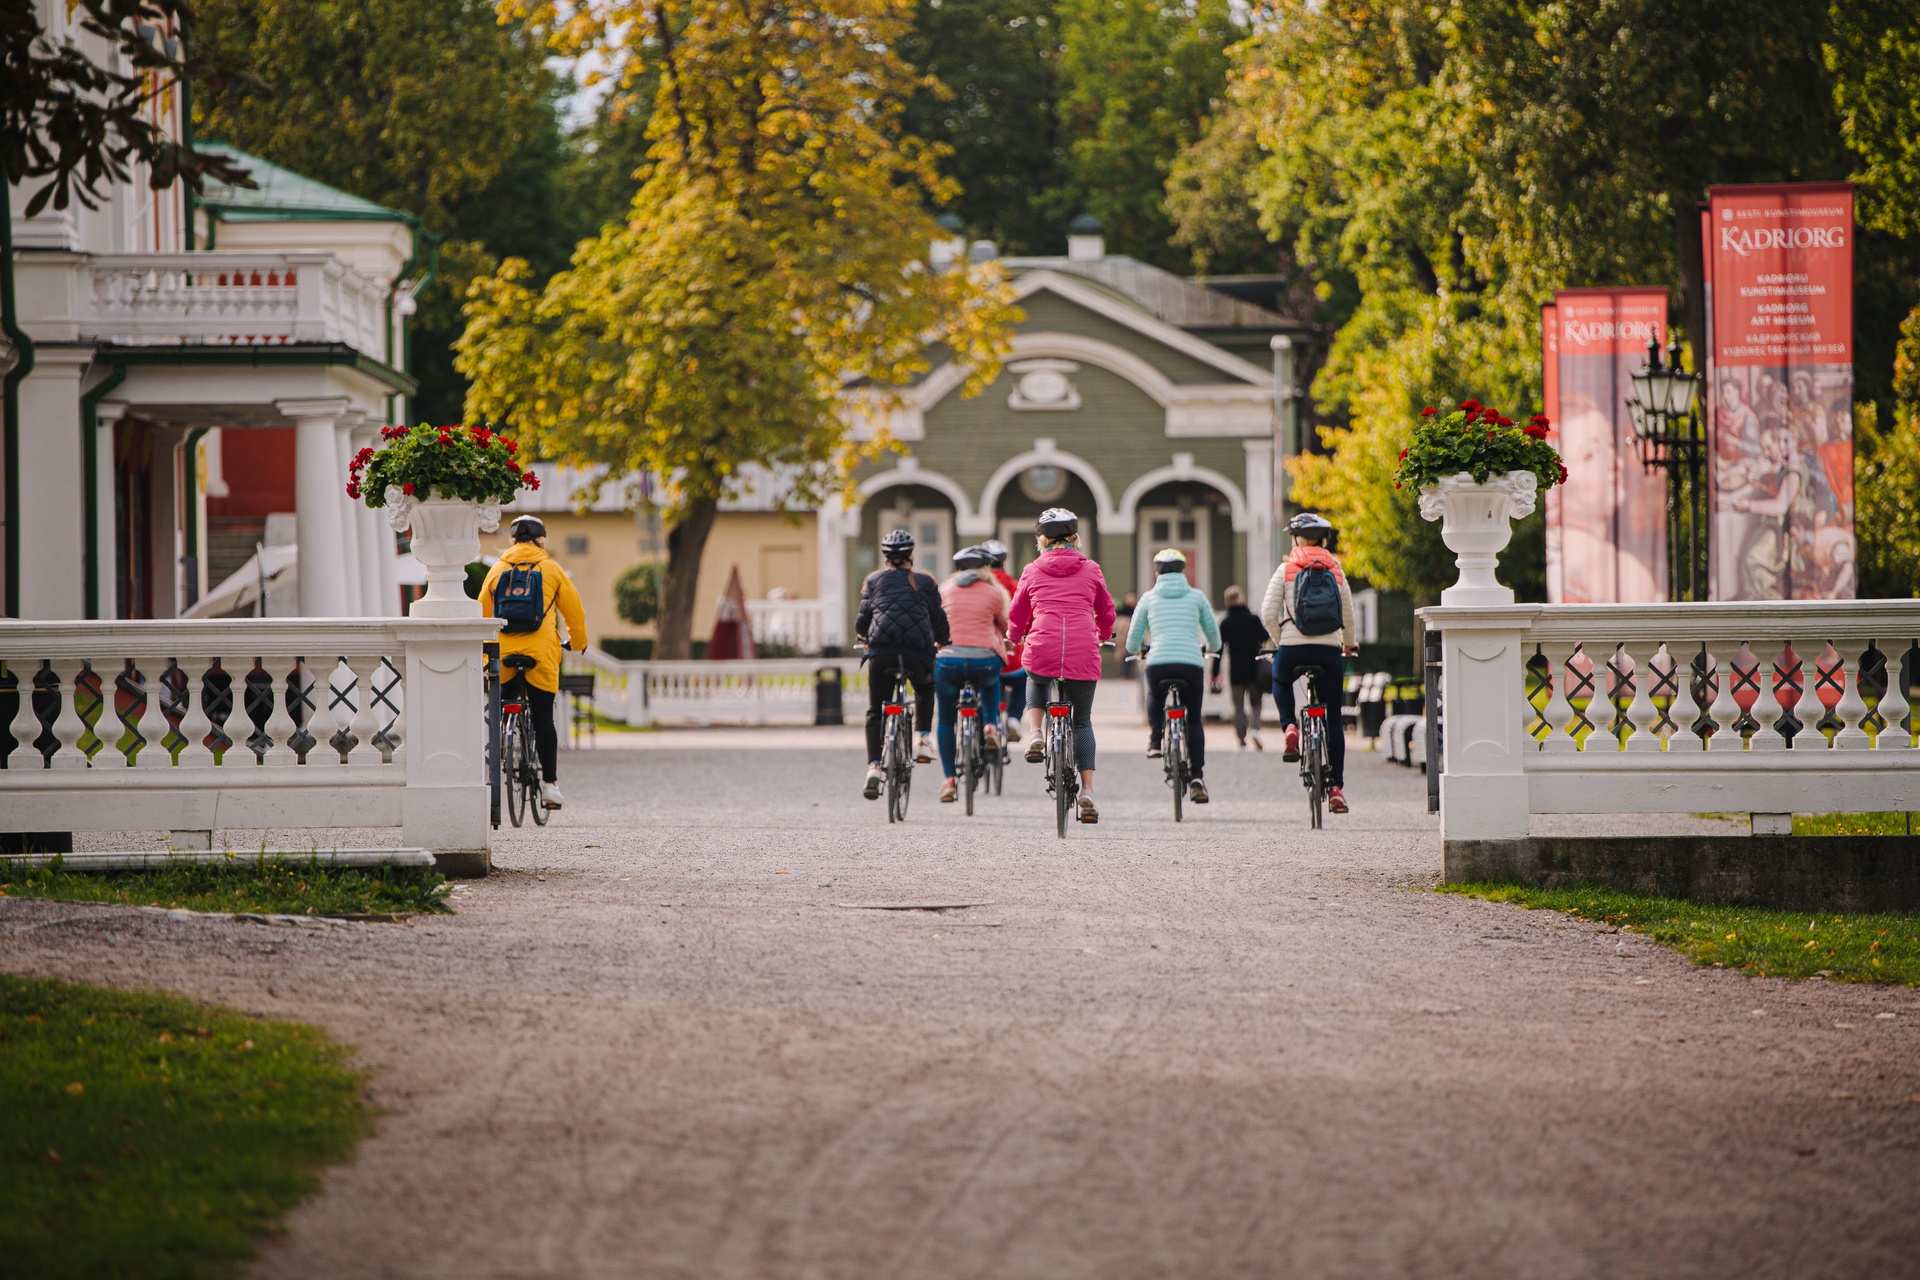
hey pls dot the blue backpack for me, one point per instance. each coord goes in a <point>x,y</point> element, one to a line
<point>1316,601</point>
<point>519,598</point>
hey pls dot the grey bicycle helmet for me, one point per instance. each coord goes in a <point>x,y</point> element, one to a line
<point>996,551</point>
<point>527,528</point>
<point>1308,522</point>
<point>972,558</point>
<point>896,544</point>
<point>1057,522</point>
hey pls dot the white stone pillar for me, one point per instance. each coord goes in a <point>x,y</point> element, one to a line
<point>1259,533</point>
<point>445,806</point>
<point>349,516</point>
<point>370,530</point>
<point>1483,708</point>
<point>107,509</point>
<point>52,514</point>
<point>830,544</point>
<point>319,485</point>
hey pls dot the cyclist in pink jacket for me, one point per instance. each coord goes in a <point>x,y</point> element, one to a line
<point>1063,611</point>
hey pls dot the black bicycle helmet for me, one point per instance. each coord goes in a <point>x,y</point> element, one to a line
<point>996,551</point>
<point>897,544</point>
<point>1308,522</point>
<point>527,528</point>
<point>972,558</point>
<point>1057,522</point>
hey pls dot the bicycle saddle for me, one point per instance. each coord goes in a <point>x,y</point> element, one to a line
<point>519,662</point>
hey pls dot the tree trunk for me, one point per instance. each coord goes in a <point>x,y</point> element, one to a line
<point>686,544</point>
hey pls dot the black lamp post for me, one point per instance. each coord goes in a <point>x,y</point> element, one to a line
<point>1668,435</point>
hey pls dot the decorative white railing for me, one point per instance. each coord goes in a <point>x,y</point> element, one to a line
<point>192,727</point>
<point>759,692</point>
<point>800,624</point>
<point>230,299</point>
<point>1766,708</point>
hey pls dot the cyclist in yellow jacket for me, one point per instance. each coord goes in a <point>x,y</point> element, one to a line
<point>560,603</point>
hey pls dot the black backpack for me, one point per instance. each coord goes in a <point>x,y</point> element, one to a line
<point>1316,601</point>
<point>519,598</point>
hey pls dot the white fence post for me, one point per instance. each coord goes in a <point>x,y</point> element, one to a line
<point>445,806</point>
<point>1483,790</point>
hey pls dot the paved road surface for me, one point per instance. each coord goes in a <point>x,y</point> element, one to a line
<point>657,1044</point>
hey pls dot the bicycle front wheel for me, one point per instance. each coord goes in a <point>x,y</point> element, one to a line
<point>1315,758</point>
<point>1176,765</point>
<point>1062,768</point>
<point>969,760</point>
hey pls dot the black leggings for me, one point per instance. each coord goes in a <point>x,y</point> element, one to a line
<point>1193,686</point>
<point>1080,694</point>
<point>546,739</point>
<point>880,673</point>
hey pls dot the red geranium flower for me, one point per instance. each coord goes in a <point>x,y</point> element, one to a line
<point>1469,405</point>
<point>511,446</point>
<point>1403,455</point>
<point>353,490</point>
<point>513,466</point>
<point>533,481</point>
<point>407,487</point>
<point>1428,412</point>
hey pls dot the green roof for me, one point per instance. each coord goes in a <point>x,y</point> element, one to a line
<point>283,195</point>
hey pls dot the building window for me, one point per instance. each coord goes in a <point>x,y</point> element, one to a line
<point>576,546</point>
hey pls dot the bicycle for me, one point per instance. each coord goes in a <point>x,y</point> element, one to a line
<point>1063,770</point>
<point>972,745</point>
<point>896,752</point>
<point>519,760</point>
<point>1314,765</point>
<point>998,757</point>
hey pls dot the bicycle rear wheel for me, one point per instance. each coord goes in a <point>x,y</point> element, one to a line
<point>903,787</point>
<point>530,780</point>
<point>890,767</point>
<point>1176,764</point>
<point>510,754</point>
<point>969,760</point>
<point>1315,758</point>
<point>1060,767</point>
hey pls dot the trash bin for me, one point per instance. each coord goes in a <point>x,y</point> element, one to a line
<point>826,696</point>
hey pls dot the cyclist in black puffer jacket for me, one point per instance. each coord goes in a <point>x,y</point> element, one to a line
<point>901,622</point>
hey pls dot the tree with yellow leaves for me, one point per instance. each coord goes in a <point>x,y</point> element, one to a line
<point>771,272</point>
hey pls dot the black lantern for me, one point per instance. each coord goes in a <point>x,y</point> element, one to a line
<point>1669,436</point>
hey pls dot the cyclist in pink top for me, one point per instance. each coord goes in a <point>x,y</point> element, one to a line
<point>1063,611</point>
<point>977,622</point>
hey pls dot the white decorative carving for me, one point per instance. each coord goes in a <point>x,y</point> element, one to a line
<point>1044,385</point>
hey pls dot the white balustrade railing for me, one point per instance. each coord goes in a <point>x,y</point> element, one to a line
<point>1771,707</point>
<point>192,727</point>
<point>798,624</point>
<point>762,691</point>
<point>237,298</point>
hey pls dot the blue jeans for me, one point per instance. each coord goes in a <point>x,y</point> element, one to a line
<point>1013,691</point>
<point>949,676</point>
<point>1289,663</point>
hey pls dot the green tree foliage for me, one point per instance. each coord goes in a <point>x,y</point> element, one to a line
<point>433,107</point>
<point>774,255</point>
<point>996,63</point>
<point>636,593</point>
<point>1138,82</point>
<point>1444,169</point>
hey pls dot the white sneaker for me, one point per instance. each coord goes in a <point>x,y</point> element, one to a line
<point>923,754</point>
<point>993,738</point>
<point>550,795</point>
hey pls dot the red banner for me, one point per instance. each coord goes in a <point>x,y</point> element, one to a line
<point>1607,526</point>
<point>1780,391</point>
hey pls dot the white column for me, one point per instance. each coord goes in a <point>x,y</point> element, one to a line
<point>444,808</point>
<point>1259,533</point>
<point>349,515</point>
<point>372,528</point>
<point>107,511</point>
<point>1483,788</point>
<point>830,542</point>
<point>52,514</point>
<point>319,484</point>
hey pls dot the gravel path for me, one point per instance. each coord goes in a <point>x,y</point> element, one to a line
<point>657,1044</point>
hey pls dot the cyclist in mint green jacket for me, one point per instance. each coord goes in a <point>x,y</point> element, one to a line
<point>1178,615</point>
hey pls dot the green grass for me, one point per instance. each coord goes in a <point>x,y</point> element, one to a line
<point>1853,824</point>
<point>143,1135</point>
<point>1760,941</point>
<point>290,887</point>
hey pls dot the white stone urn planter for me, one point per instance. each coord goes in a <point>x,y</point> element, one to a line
<point>1476,523</point>
<point>445,539</point>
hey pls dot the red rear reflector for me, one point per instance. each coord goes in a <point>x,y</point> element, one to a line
<point>511,708</point>
<point>1318,713</point>
<point>893,708</point>
<point>1176,713</point>
<point>1059,711</point>
<point>969,711</point>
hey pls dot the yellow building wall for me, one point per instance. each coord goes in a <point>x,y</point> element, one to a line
<point>770,551</point>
